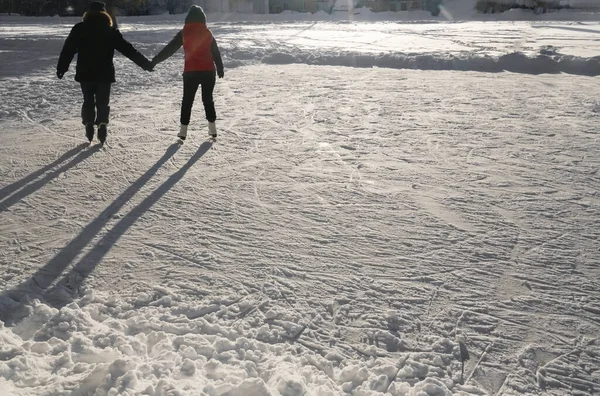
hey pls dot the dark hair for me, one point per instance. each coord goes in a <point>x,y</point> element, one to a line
<point>195,14</point>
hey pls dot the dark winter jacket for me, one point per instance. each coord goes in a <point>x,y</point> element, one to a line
<point>94,41</point>
<point>200,47</point>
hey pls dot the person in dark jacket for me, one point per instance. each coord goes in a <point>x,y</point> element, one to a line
<point>94,41</point>
<point>201,56</point>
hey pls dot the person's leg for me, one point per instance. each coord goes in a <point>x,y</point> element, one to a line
<point>208,87</point>
<point>190,87</point>
<point>102,103</point>
<point>88,109</point>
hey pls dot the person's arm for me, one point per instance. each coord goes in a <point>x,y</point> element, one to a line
<point>125,47</point>
<point>217,58</point>
<point>170,49</point>
<point>68,52</point>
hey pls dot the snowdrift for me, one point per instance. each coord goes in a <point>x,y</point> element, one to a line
<point>515,62</point>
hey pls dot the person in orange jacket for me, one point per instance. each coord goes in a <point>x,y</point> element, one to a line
<point>202,64</point>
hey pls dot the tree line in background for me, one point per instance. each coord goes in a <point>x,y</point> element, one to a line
<point>78,7</point>
<point>152,7</point>
<point>497,6</point>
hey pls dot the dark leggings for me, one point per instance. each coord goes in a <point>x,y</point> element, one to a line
<point>191,82</point>
<point>95,96</point>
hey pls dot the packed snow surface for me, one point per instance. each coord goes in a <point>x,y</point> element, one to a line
<point>383,199</point>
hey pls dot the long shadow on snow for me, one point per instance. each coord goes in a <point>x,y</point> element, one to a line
<point>36,286</point>
<point>67,288</point>
<point>28,189</point>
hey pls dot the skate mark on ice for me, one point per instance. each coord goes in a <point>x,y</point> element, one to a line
<point>124,168</point>
<point>503,316</point>
<point>439,211</point>
<point>256,305</point>
<point>26,116</point>
<point>194,261</point>
<point>487,350</point>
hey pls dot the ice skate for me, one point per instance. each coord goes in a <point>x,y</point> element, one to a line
<point>102,132</point>
<point>89,131</point>
<point>182,132</point>
<point>212,130</point>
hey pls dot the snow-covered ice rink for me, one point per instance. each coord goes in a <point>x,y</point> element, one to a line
<point>379,194</point>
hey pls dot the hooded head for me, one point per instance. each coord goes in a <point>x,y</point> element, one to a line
<point>97,14</point>
<point>195,14</point>
<point>97,6</point>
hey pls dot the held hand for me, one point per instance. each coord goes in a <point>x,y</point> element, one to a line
<point>60,74</point>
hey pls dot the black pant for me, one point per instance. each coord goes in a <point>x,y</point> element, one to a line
<point>95,96</point>
<point>191,81</point>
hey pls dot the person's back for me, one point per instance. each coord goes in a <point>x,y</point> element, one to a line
<point>197,46</point>
<point>202,62</point>
<point>96,48</point>
<point>94,41</point>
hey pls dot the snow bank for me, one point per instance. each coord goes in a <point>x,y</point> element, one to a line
<point>514,62</point>
<point>156,343</point>
<point>334,44</point>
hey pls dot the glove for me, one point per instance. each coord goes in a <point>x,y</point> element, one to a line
<point>60,74</point>
<point>220,73</point>
<point>149,67</point>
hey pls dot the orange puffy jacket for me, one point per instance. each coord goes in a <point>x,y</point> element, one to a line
<point>197,45</point>
<point>200,47</point>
